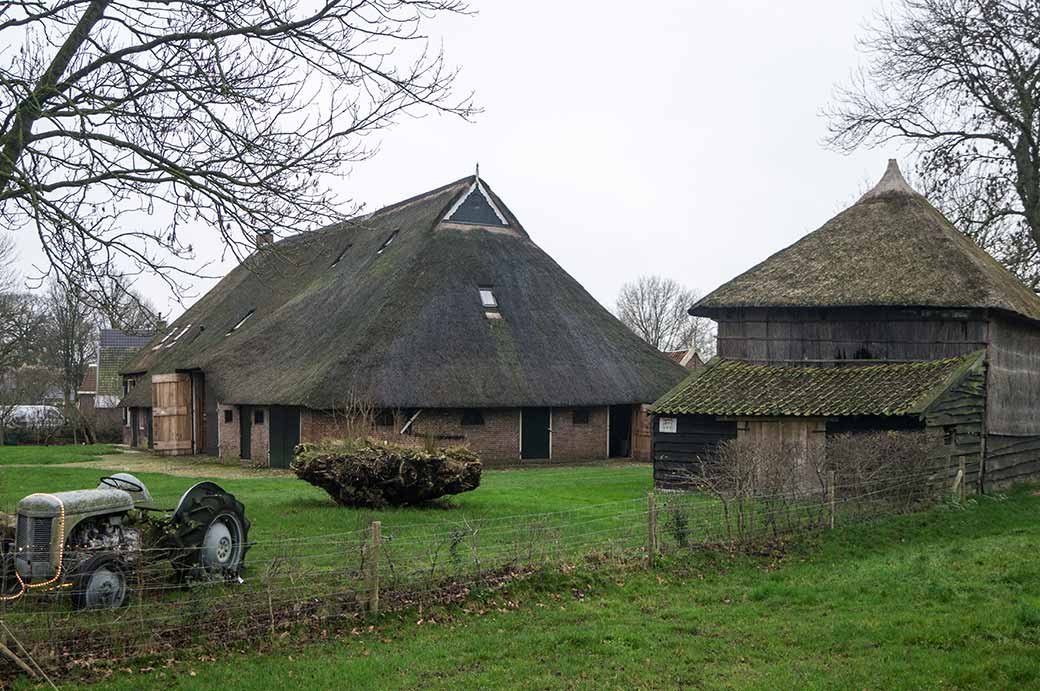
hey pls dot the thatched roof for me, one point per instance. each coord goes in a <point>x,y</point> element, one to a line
<point>386,308</point>
<point>891,248</point>
<point>737,387</point>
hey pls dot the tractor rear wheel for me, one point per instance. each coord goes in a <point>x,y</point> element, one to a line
<point>212,532</point>
<point>101,582</point>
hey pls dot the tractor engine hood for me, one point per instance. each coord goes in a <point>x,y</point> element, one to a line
<point>75,503</point>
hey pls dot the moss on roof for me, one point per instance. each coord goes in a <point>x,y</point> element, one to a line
<point>736,387</point>
<point>405,327</point>
<point>891,248</point>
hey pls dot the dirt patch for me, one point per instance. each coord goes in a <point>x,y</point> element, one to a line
<point>179,466</point>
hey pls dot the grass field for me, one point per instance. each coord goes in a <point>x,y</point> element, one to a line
<point>944,599</point>
<point>49,455</point>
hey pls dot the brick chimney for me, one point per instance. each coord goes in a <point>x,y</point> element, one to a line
<point>264,239</point>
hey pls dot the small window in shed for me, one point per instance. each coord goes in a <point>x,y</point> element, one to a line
<point>229,416</point>
<point>241,321</point>
<point>258,417</point>
<point>580,416</point>
<point>472,417</point>
<point>387,242</point>
<point>385,418</point>
<point>487,297</point>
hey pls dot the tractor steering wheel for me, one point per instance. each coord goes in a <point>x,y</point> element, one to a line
<point>121,483</point>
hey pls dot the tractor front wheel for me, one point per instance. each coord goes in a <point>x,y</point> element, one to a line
<point>101,582</point>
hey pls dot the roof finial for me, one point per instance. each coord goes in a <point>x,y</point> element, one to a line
<point>477,174</point>
<point>891,182</point>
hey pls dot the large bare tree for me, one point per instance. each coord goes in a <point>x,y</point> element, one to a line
<point>959,80</point>
<point>655,308</point>
<point>70,336</point>
<point>121,121</point>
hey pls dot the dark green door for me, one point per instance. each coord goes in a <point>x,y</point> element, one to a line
<point>534,433</point>
<point>135,422</point>
<point>245,432</point>
<point>285,435</point>
<point>620,431</point>
<point>148,425</point>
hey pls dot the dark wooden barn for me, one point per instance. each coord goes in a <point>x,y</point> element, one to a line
<point>438,315</point>
<point>883,292</point>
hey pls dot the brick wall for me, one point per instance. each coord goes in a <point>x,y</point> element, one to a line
<point>497,439</point>
<point>579,441</point>
<point>229,435</point>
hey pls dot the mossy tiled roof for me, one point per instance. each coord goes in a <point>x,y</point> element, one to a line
<point>735,387</point>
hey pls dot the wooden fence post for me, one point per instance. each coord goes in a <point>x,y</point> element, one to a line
<point>964,481</point>
<point>831,496</point>
<point>651,523</point>
<point>373,567</point>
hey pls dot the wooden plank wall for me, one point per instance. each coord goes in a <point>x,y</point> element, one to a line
<point>1013,406</point>
<point>785,335</point>
<point>677,456</point>
<point>1011,459</point>
<point>956,423</point>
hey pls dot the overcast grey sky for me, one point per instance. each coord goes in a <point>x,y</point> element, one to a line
<point>682,139</point>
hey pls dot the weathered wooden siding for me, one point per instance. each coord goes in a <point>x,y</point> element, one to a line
<point>678,455</point>
<point>1013,408</point>
<point>1011,459</point>
<point>827,334</point>
<point>955,421</point>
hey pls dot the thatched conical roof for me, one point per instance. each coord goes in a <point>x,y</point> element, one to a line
<point>891,248</point>
<point>386,308</point>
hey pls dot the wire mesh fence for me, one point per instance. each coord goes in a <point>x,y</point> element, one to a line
<point>301,586</point>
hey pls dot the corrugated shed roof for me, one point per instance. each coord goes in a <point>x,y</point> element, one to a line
<point>736,387</point>
<point>891,248</point>
<point>338,314</point>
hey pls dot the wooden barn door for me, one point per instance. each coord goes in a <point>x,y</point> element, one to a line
<point>172,414</point>
<point>534,433</point>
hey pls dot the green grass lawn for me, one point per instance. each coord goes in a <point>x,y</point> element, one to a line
<point>49,455</point>
<point>944,599</point>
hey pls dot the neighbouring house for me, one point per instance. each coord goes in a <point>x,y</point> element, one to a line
<point>101,390</point>
<point>688,358</point>
<point>885,318</point>
<point>437,314</point>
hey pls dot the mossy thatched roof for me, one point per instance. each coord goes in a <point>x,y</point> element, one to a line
<point>891,248</point>
<point>339,315</point>
<point>736,387</point>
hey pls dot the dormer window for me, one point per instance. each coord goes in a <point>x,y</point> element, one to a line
<point>487,298</point>
<point>165,338</point>
<point>240,323</point>
<point>387,242</point>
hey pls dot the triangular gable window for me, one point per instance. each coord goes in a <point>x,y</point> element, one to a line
<point>476,208</point>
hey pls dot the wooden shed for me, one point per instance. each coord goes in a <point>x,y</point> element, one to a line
<point>886,289</point>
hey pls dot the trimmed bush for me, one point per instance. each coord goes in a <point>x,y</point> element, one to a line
<point>374,473</point>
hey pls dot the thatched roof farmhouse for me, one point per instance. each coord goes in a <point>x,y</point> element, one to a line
<point>886,317</point>
<point>438,312</point>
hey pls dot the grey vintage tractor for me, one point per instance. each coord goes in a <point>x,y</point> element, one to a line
<point>91,541</point>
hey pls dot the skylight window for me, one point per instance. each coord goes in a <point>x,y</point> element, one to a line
<point>487,298</point>
<point>240,323</point>
<point>177,337</point>
<point>165,338</point>
<point>387,242</point>
<point>340,256</point>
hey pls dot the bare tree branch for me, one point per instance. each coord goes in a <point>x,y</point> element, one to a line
<point>655,309</point>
